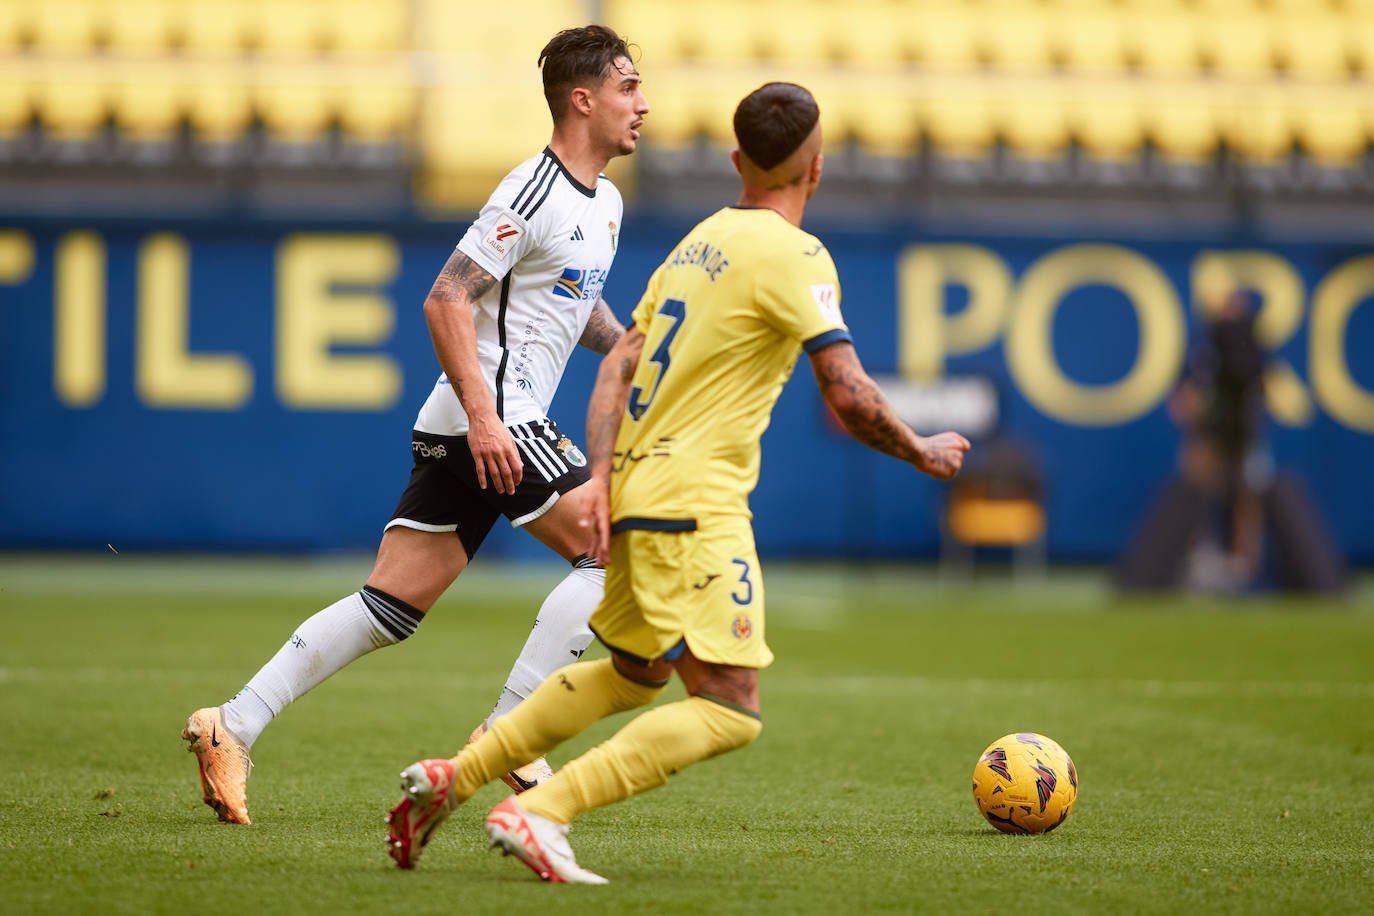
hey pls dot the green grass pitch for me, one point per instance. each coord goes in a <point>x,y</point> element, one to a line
<point>1225,751</point>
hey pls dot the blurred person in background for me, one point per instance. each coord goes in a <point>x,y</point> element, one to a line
<point>1219,408</point>
<point>522,288</point>
<point>1228,521</point>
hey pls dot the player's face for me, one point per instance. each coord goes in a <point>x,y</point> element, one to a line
<point>620,108</point>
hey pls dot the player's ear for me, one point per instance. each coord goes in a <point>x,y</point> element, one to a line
<point>817,164</point>
<point>580,101</point>
<point>734,160</point>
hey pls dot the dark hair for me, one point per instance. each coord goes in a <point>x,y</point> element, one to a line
<point>773,120</point>
<point>577,57</point>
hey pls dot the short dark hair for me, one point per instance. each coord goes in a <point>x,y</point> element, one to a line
<point>773,121</point>
<point>577,57</point>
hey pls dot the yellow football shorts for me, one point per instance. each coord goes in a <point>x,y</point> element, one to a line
<point>703,586</point>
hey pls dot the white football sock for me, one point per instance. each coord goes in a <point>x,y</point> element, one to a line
<point>559,637</point>
<point>346,630</point>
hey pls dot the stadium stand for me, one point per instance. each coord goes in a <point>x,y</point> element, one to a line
<point>1255,81</point>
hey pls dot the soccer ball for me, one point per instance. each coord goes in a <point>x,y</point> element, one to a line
<point>1025,783</point>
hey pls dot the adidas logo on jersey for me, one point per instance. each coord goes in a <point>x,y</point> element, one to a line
<point>577,235</point>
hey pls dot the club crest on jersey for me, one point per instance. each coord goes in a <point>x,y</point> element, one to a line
<point>501,238</point>
<point>743,627</point>
<point>615,235</point>
<point>571,453</point>
<point>571,284</point>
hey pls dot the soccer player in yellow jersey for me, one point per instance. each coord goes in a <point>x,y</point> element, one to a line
<point>673,433</point>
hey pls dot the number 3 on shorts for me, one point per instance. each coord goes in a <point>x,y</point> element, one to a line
<point>744,593</point>
<point>675,310</point>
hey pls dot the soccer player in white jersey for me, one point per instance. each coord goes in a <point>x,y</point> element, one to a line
<point>520,290</point>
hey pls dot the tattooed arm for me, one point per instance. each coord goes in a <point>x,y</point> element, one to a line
<point>602,330</point>
<point>604,414</point>
<point>448,312</point>
<point>867,416</point>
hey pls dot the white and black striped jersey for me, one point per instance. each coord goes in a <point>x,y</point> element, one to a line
<point>549,241</point>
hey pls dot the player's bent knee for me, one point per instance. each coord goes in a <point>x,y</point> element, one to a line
<point>731,726</point>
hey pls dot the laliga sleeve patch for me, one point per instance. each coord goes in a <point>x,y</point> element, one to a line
<point>501,237</point>
<point>827,301</point>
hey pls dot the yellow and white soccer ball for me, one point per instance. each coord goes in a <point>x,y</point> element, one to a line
<point>1025,783</point>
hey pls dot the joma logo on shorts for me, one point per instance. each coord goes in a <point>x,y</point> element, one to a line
<point>425,450</point>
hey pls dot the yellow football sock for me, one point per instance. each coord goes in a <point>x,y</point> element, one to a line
<point>571,699</point>
<point>641,756</point>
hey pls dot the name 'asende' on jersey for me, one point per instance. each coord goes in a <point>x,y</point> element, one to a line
<point>549,241</point>
<point>725,318</point>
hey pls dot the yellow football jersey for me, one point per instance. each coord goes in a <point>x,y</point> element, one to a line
<point>724,318</point>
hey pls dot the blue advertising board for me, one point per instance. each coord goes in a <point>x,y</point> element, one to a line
<point>252,387</point>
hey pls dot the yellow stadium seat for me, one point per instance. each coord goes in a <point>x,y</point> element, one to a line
<point>1015,36</point>
<point>292,26</point>
<point>945,36</point>
<point>1182,124</point>
<point>14,25</point>
<point>463,164</point>
<point>1311,45</point>
<point>368,26</point>
<point>379,103</point>
<point>1333,132</point>
<point>72,99</point>
<point>494,32</point>
<point>1359,31</point>
<point>1089,36</point>
<point>726,31</point>
<point>672,122</point>
<point>219,26</point>
<point>959,124</point>
<point>809,37</point>
<point>219,102</point>
<point>1257,128</point>
<point>884,121</point>
<point>1108,127</point>
<point>685,104</point>
<point>652,25</point>
<point>66,25</point>
<point>974,519</point>
<point>142,26</point>
<point>149,99</point>
<point>1164,41</point>
<point>16,92</point>
<point>1032,120</point>
<point>1315,7</point>
<point>996,522</point>
<point>1236,40</point>
<point>879,33</point>
<point>295,103</point>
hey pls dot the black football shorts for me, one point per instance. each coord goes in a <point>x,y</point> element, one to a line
<point>443,494</point>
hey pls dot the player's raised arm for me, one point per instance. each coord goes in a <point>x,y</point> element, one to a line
<point>448,312</point>
<point>867,415</point>
<point>603,329</point>
<point>604,415</point>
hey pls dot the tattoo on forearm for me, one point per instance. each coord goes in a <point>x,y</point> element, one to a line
<point>870,418</point>
<point>461,279</point>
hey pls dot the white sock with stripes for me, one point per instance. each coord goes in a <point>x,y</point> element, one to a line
<point>560,634</point>
<point>346,630</point>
